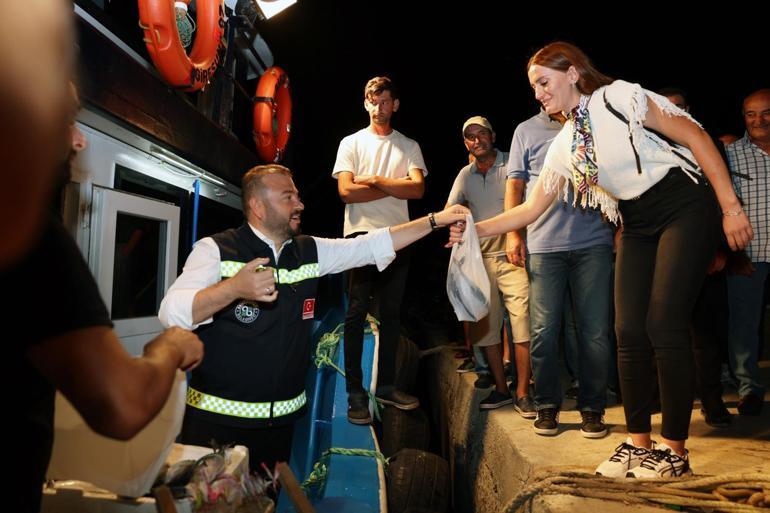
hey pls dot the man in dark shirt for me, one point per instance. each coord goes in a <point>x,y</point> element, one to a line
<point>66,342</point>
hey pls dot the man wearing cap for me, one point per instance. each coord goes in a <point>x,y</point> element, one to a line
<point>481,186</point>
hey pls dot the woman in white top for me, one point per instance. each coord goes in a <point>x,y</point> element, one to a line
<point>640,159</point>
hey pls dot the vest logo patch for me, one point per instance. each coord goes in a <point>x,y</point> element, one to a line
<point>308,309</point>
<point>247,311</point>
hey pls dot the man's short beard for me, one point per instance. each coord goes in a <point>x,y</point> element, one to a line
<point>278,226</point>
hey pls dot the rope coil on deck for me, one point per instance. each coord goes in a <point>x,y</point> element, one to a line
<point>715,493</point>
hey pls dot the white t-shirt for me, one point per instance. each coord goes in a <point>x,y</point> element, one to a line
<point>618,173</point>
<point>391,156</point>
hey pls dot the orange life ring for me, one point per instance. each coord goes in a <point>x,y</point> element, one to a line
<point>272,114</point>
<point>157,19</point>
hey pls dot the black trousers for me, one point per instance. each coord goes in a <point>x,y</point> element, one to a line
<point>709,340</point>
<point>669,237</point>
<point>387,288</point>
<point>268,445</point>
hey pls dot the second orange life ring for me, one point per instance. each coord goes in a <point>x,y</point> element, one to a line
<point>158,20</point>
<point>272,114</point>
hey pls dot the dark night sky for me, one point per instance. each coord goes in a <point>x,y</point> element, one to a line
<point>451,64</point>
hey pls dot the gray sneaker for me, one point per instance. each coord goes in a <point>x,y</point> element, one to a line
<point>525,407</point>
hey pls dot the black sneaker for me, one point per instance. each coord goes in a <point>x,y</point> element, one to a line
<point>525,407</point>
<point>717,417</point>
<point>467,366</point>
<point>484,381</point>
<point>547,422</point>
<point>750,404</point>
<point>397,398</point>
<point>592,425</point>
<point>495,400</point>
<point>358,410</point>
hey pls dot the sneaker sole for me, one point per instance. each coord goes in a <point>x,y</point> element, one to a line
<point>686,473</point>
<point>400,406</point>
<point>495,405</point>
<point>592,434</point>
<point>546,432</point>
<point>526,414</point>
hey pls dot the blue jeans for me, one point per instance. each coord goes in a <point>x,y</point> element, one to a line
<point>744,294</point>
<point>570,338</point>
<point>482,367</point>
<point>587,271</point>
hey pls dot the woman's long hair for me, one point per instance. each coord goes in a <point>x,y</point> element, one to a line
<point>560,56</point>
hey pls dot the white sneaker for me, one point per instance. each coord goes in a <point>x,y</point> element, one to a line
<point>662,461</point>
<point>627,457</point>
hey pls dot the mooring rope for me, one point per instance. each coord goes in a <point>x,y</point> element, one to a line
<point>736,493</point>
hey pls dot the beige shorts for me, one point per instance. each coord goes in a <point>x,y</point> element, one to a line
<point>509,286</point>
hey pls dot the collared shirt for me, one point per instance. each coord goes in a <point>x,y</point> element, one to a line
<point>202,269</point>
<point>484,194</point>
<point>746,158</point>
<point>563,227</point>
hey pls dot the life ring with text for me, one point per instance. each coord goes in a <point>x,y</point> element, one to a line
<point>158,20</point>
<point>272,114</point>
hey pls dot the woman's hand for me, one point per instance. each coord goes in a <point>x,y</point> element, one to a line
<point>456,233</point>
<point>737,230</point>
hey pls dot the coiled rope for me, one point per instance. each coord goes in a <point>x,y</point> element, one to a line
<point>741,492</point>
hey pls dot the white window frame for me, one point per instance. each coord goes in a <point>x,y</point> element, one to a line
<point>107,203</point>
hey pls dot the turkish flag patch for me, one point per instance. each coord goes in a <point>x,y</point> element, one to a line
<point>308,309</point>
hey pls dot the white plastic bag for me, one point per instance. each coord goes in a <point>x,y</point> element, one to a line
<point>126,468</point>
<point>467,283</point>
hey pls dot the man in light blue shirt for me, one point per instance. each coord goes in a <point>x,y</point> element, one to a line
<point>566,247</point>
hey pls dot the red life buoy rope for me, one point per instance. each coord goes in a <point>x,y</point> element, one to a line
<point>158,20</point>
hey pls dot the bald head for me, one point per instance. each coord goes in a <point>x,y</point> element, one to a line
<point>756,116</point>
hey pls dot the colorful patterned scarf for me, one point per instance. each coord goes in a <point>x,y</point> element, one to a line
<point>584,170</point>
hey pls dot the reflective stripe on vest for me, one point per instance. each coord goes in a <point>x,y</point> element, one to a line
<point>229,268</point>
<point>221,406</point>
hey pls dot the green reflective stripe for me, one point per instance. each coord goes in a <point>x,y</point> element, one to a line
<point>305,272</point>
<point>229,268</point>
<point>244,410</point>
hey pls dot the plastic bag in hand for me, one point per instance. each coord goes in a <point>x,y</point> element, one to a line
<point>467,283</point>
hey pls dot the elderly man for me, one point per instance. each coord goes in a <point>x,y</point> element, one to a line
<point>749,161</point>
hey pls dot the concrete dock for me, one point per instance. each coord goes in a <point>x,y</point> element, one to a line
<point>495,454</point>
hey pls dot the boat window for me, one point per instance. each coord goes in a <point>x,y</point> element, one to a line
<point>139,267</point>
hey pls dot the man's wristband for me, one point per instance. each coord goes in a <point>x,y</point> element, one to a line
<point>432,219</point>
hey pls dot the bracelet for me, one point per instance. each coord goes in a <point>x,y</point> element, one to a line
<point>432,219</point>
<point>731,213</point>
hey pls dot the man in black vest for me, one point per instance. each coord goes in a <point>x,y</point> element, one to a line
<point>250,294</point>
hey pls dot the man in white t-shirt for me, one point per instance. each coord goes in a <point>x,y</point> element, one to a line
<point>377,170</point>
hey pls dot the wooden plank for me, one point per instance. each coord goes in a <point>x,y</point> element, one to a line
<point>291,487</point>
